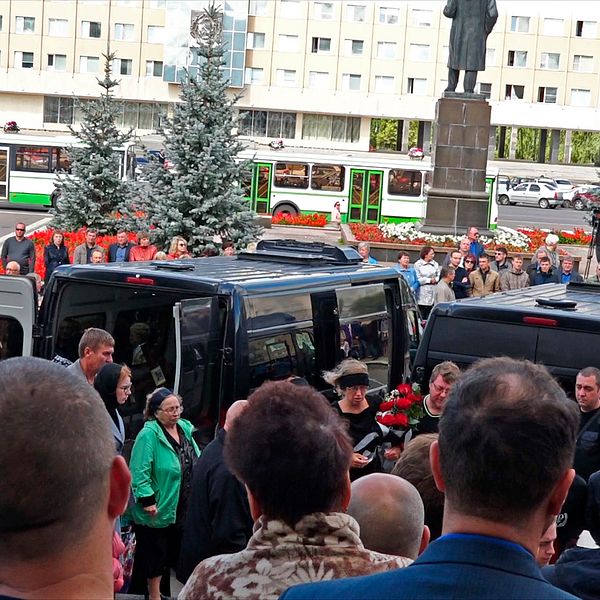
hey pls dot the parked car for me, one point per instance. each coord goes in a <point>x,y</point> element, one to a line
<point>532,193</point>
<point>582,200</point>
<point>569,196</point>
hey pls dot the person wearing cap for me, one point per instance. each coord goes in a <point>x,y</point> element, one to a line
<point>161,466</point>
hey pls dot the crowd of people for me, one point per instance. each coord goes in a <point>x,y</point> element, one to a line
<point>496,479</point>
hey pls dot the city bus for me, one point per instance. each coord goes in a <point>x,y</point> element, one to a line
<point>370,187</point>
<point>29,164</point>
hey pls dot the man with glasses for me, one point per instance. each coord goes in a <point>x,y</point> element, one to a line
<point>500,262</point>
<point>476,248</point>
<point>19,249</point>
<point>443,377</point>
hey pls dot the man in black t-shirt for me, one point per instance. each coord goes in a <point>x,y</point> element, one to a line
<point>587,450</point>
<point>442,378</point>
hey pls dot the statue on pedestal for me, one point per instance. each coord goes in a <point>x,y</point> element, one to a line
<point>472,22</point>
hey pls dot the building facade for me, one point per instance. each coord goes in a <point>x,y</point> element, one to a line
<point>313,72</point>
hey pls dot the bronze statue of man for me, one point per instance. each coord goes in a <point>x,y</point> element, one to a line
<point>472,21</point>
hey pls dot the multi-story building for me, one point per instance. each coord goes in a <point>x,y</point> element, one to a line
<point>315,72</point>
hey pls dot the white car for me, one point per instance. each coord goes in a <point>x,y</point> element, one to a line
<point>532,193</point>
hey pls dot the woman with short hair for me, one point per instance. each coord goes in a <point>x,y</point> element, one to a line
<point>428,273</point>
<point>55,254</point>
<point>144,249</point>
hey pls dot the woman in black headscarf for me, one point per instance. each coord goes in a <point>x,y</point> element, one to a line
<point>113,383</point>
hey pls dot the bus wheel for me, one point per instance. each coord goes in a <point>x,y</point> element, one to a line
<point>57,202</point>
<point>285,209</point>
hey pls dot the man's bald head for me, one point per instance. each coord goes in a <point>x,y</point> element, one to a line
<point>390,513</point>
<point>234,411</point>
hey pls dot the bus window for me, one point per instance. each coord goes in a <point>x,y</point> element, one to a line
<point>3,173</point>
<point>329,178</point>
<point>60,160</point>
<point>291,175</point>
<point>33,159</point>
<point>402,182</point>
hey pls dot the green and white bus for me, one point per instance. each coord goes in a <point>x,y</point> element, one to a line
<point>29,165</point>
<point>371,187</point>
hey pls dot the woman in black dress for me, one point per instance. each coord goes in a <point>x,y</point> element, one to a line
<point>351,380</point>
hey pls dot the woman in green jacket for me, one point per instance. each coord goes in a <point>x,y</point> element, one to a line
<point>161,467</point>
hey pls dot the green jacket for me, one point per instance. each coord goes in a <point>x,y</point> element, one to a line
<point>155,469</point>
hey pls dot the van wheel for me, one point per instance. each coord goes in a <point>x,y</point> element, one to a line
<point>503,200</point>
<point>285,209</point>
<point>543,203</point>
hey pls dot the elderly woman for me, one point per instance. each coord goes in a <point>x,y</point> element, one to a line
<point>178,248</point>
<point>351,381</point>
<point>55,254</point>
<point>161,467</point>
<point>550,247</point>
<point>365,251</point>
<point>428,273</point>
<point>144,250</point>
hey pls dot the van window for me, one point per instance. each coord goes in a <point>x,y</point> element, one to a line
<point>278,356</point>
<point>70,331</point>
<point>553,345</point>
<point>11,338</point>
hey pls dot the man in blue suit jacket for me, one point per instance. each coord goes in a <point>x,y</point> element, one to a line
<point>506,442</point>
<point>119,252</point>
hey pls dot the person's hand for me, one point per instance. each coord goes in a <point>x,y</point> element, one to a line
<point>151,510</point>
<point>433,280</point>
<point>393,453</point>
<point>359,461</point>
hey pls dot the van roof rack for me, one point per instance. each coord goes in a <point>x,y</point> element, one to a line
<point>172,265</point>
<point>302,252</point>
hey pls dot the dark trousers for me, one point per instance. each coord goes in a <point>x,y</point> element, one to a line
<point>469,83</point>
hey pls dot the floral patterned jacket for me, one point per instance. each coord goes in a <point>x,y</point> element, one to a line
<point>321,547</point>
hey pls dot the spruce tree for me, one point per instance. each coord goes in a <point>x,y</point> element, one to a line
<point>92,193</point>
<point>200,196</point>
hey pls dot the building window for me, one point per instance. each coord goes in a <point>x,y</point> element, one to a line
<point>583,63</point>
<point>547,95</point>
<point>555,27</point>
<point>485,89</point>
<point>519,24</point>
<point>156,34</point>
<point>550,60</point>
<point>386,49</point>
<point>422,18</point>
<point>141,115</point>
<point>416,86</point>
<point>286,77</point>
<point>258,8</point>
<point>91,29</point>
<point>57,62</point>
<point>318,80</point>
<point>122,66</point>
<point>331,128</point>
<point>154,68</point>
<point>25,24</point>
<point>23,60</point>
<point>324,11</point>
<point>351,81</point>
<point>287,43</point>
<point>586,29</point>
<point>58,27</point>
<point>321,45</point>
<point>354,47</point>
<point>124,32</point>
<point>256,41</point>
<point>384,84</point>
<point>58,109</point>
<point>514,92</point>
<point>419,52</point>
<point>263,123</point>
<point>254,75</point>
<point>89,64</point>
<point>290,9</point>
<point>356,13</point>
<point>389,15</point>
<point>490,57</point>
<point>580,97</point>
<point>517,58</point>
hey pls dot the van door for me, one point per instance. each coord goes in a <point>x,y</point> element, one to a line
<point>17,316</point>
<point>197,344</point>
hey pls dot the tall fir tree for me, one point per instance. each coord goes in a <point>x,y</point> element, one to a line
<point>92,193</point>
<point>201,196</point>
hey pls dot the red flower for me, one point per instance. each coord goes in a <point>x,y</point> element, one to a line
<point>385,406</point>
<point>403,403</point>
<point>404,388</point>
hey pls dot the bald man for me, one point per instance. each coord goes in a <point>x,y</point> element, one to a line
<point>390,513</point>
<point>218,520</point>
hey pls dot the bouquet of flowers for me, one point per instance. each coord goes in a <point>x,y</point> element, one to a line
<point>401,407</point>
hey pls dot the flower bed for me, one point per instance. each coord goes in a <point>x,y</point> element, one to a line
<point>515,240</point>
<point>313,220</point>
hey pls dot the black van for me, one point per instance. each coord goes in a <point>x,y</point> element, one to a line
<point>213,329</point>
<point>557,325</point>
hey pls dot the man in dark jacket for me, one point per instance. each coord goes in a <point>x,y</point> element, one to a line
<point>587,450</point>
<point>544,273</point>
<point>119,252</point>
<point>472,22</point>
<point>577,571</point>
<point>218,519</point>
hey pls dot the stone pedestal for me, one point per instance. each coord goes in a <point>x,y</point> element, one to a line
<point>457,198</point>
